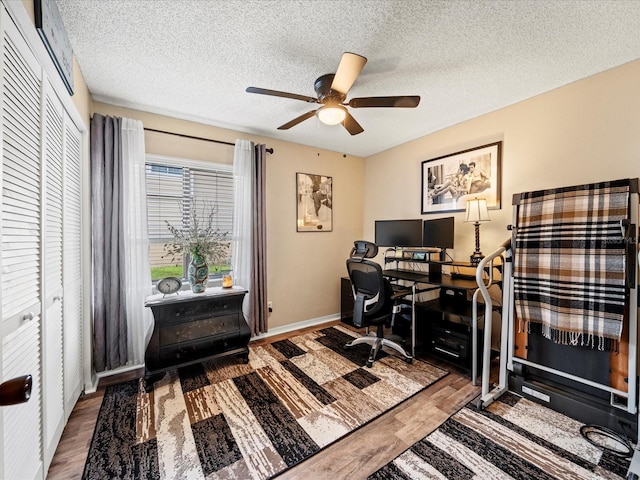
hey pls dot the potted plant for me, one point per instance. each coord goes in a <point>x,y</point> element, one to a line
<point>205,244</point>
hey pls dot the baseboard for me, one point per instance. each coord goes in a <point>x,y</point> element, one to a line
<point>314,322</point>
<point>91,386</point>
<point>108,373</point>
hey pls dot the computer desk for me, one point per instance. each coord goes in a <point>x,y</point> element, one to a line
<point>424,282</point>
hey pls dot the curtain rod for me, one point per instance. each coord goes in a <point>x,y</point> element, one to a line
<point>269,150</point>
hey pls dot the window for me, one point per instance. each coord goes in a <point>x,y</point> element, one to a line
<point>174,188</point>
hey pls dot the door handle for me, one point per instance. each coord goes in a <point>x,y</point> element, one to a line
<point>17,390</point>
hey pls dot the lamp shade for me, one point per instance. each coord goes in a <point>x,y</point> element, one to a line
<point>331,114</point>
<point>477,211</point>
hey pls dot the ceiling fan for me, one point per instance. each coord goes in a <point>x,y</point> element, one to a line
<point>332,92</point>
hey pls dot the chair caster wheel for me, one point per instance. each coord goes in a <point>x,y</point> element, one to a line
<point>409,360</point>
<point>369,364</point>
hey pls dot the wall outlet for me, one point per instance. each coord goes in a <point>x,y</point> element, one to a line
<point>270,306</point>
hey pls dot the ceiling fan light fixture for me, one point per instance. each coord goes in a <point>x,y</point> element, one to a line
<point>332,114</point>
<point>332,90</point>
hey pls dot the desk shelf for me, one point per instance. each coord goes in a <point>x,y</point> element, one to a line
<point>437,306</point>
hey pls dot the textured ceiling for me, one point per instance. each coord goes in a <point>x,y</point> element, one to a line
<point>193,59</point>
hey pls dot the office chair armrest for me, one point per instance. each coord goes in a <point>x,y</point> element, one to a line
<point>401,293</point>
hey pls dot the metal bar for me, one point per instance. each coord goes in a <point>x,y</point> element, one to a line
<point>575,378</point>
<point>488,318</point>
<point>474,332</point>
<point>413,320</point>
<point>488,312</point>
<point>506,334</point>
<point>192,137</point>
<point>633,306</point>
<point>506,331</point>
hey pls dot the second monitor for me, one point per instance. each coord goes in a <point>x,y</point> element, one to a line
<point>398,233</point>
<point>438,233</point>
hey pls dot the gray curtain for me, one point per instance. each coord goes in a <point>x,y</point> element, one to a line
<point>258,291</point>
<point>109,306</point>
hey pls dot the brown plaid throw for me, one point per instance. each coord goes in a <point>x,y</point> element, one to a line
<point>569,265</point>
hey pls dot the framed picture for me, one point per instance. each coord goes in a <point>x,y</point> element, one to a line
<point>315,203</point>
<point>54,36</point>
<point>449,181</point>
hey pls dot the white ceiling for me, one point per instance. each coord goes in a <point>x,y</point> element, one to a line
<point>193,59</point>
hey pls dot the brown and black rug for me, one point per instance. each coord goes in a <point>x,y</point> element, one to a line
<point>229,420</point>
<point>512,438</point>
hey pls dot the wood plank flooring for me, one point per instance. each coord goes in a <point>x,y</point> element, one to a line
<point>353,457</point>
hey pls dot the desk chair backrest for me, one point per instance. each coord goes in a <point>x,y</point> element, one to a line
<point>370,289</point>
<point>363,249</point>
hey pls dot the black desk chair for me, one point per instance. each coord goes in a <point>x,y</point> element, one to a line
<point>374,299</point>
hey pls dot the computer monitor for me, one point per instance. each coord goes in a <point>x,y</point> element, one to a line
<point>438,233</point>
<point>398,233</point>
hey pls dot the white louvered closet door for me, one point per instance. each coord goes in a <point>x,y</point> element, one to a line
<point>52,320</point>
<point>20,222</point>
<point>72,266</point>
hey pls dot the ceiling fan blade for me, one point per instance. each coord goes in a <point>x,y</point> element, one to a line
<point>297,120</point>
<point>350,67</point>
<point>397,102</point>
<point>351,125</point>
<point>276,93</point>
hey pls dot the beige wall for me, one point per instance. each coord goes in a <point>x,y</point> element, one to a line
<point>303,269</point>
<point>587,131</point>
<point>29,8</point>
<point>81,96</point>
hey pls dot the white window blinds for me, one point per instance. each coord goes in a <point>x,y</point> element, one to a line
<point>174,191</point>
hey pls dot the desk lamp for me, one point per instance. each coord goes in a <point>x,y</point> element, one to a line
<point>476,213</point>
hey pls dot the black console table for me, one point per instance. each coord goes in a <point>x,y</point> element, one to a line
<point>192,327</point>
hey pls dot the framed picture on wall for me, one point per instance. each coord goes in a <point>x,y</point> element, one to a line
<point>314,203</point>
<point>449,181</point>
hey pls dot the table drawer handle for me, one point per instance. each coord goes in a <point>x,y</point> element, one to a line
<point>447,352</point>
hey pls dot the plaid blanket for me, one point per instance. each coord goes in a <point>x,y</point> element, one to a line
<point>569,264</point>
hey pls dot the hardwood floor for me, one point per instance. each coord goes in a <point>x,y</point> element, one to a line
<point>353,457</point>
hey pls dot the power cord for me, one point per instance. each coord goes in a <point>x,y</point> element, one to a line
<point>589,432</point>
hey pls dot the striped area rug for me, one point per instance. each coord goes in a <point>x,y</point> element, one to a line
<point>512,438</point>
<point>232,420</point>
